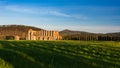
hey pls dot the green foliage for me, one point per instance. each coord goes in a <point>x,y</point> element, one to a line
<point>4,64</point>
<point>59,54</point>
<point>9,37</point>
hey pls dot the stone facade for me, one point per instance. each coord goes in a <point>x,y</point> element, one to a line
<point>30,34</point>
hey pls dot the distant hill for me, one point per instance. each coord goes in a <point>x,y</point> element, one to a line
<point>66,31</point>
<point>82,35</point>
<point>18,27</point>
<point>70,32</point>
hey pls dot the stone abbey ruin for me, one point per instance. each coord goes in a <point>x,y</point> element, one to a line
<point>21,32</point>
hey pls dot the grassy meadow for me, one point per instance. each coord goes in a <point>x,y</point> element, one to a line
<point>59,54</point>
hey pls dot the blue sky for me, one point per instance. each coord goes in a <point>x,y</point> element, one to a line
<point>99,16</point>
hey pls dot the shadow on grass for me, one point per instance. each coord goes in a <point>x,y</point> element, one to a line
<point>32,55</point>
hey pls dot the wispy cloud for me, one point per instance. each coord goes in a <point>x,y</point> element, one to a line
<point>19,9</point>
<point>81,17</point>
<point>42,11</point>
<point>59,14</point>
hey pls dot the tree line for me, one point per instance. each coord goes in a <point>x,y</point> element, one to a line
<point>91,37</point>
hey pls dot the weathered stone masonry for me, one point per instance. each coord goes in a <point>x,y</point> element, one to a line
<point>42,35</point>
<point>29,34</point>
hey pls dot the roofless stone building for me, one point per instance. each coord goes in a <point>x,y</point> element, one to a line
<point>21,32</point>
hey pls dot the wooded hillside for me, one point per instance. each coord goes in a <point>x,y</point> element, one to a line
<point>87,36</point>
<point>17,28</point>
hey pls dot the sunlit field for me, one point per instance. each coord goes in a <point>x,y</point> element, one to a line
<point>59,54</point>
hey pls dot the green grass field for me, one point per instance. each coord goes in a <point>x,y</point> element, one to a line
<point>59,54</point>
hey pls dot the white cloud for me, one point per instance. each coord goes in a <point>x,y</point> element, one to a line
<point>41,11</point>
<point>82,17</point>
<point>19,9</point>
<point>59,14</point>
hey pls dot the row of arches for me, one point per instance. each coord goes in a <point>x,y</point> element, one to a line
<point>45,38</point>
